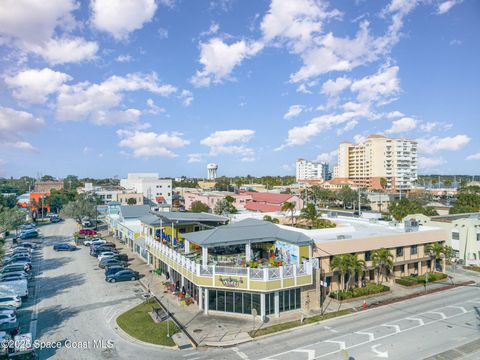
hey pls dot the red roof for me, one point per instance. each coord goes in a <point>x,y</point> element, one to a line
<point>160,199</point>
<point>271,198</point>
<point>253,206</point>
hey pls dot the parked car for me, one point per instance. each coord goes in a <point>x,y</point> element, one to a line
<point>19,287</point>
<point>87,232</point>
<point>15,268</point>
<point>13,276</point>
<point>110,270</point>
<point>18,250</point>
<point>7,318</point>
<point>111,262</point>
<point>111,244</point>
<point>6,309</point>
<point>10,300</point>
<point>26,245</point>
<point>28,235</point>
<point>27,264</point>
<point>98,250</point>
<point>106,254</point>
<point>121,257</point>
<point>18,256</point>
<point>64,247</point>
<point>124,275</point>
<point>94,241</point>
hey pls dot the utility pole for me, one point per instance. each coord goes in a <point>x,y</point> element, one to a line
<point>359,205</point>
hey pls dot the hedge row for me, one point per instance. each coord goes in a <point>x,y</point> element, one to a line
<point>370,289</point>
<point>410,281</point>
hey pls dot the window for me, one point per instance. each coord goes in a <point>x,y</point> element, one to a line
<point>456,235</point>
<point>478,236</point>
<point>413,250</point>
<point>399,251</point>
<point>368,256</point>
<point>229,301</point>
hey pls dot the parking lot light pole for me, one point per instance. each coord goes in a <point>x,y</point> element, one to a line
<point>168,321</point>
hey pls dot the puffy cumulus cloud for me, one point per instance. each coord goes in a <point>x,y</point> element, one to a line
<point>94,101</point>
<point>33,26</point>
<point>153,108</point>
<point>295,22</point>
<point>66,50</point>
<point>328,157</point>
<point>195,158</point>
<point>35,85</point>
<point>450,143</point>
<point>120,18</point>
<point>429,163</point>
<point>300,135</point>
<point>473,156</point>
<point>402,125</point>
<point>394,114</point>
<point>445,6</point>
<point>229,142</point>
<point>13,124</point>
<point>219,59</point>
<point>293,111</point>
<point>131,116</point>
<point>151,144</point>
<point>428,126</point>
<point>187,97</point>
<point>334,87</point>
<point>348,126</point>
<point>379,87</point>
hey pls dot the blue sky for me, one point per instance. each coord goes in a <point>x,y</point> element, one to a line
<point>107,87</point>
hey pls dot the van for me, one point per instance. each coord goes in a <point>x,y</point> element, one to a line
<point>18,287</point>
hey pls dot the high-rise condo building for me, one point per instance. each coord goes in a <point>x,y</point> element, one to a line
<point>311,170</point>
<point>377,158</point>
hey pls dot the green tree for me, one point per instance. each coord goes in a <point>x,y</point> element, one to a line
<point>198,207</point>
<point>340,264</point>
<point>436,252</point>
<point>84,206</point>
<point>468,200</point>
<point>383,183</point>
<point>59,198</point>
<point>71,182</point>
<point>223,207</point>
<point>8,201</point>
<point>47,178</point>
<point>11,218</point>
<point>309,213</point>
<point>271,219</point>
<point>347,196</point>
<point>131,201</point>
<point>289,206</point>
<point>354,266</point>
<point>230,199</point>
<point>382,260</point>
<point>401,208</point>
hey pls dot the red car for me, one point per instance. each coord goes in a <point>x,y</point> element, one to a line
<point>87,232</point>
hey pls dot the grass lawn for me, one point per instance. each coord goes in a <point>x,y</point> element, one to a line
<point>296,323</point>
<point>472,268</point>
<point>137,323</point>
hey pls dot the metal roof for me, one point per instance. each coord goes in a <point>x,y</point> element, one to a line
<point>134,211</point>
<point>244,231</point>
<point>167,217</point>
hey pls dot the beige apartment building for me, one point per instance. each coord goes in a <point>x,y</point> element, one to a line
<point>378,157</point>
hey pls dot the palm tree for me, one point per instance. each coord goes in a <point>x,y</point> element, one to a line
<point>382,260</point>
<point>309,213</point>
<point>340,264</point>
<point>289,206</point>
<point>436,252</point>
<point>354,266</point>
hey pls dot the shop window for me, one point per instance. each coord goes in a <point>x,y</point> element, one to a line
<point>238,302</point>
<point>281,300</point>
<point>229,301</point>
<point>256,303</point>
<point>298,303</point>
<point>212,299</point>
<point>413,250</point>
<point>247,303</point>
<point>220,300</point>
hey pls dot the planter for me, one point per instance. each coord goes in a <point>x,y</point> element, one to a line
<point>362,297</point>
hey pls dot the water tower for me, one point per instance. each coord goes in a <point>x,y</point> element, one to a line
<point>212,171</point>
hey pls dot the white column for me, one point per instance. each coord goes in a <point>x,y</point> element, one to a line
<point>187,246</point>
<point>204,255</point>
<point>248,251</point>
<point>205,308</point>
<point>200,297</point>
<point>262,307</point>
<point>182,280</point>
<point>277,304</point>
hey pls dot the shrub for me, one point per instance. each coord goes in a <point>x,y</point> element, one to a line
<point>370,289</point>
<point>410,281</point>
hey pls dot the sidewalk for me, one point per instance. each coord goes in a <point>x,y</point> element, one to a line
<point>219,330</point>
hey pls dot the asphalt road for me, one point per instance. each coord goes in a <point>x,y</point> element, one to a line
<point>76,305</point>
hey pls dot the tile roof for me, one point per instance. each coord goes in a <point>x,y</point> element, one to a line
<point>253,206</point>
<point>272,198</point>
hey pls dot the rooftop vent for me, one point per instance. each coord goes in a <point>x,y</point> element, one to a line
<point>411,225</point>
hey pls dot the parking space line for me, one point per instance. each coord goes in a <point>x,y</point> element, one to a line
<point>240,354</point>
<point>396,327</point>
<point>438,313</point>
<point>371,336</point>
<point>341,343</point>
<point>458,307</point>
<point>416,319</point>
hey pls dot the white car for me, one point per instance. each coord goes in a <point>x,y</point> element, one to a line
<point>11,300</point>
<point>106,254</point>
<point>95,241</point>
<point>7,319</point>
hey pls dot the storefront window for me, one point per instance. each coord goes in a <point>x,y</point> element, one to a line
<point>220,300</point>
<point>228,301</point>
<point>256,303</point>
<point>247,303</point>
<point>212,299</point>
<point>238,302</point>
<point>282,306</point>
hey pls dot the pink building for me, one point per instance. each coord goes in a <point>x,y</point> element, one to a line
<point>211,199</point>
<point>271,202</point>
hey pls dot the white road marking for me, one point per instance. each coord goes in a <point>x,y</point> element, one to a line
<point>396,327</point>
<point>190,354</point>
<point>341,343</point>
<point>310,353</point>
<point>416,319</point>
<point>380,354</point>
<point>371,336</point>
<point>458,307</point>
<point>438,313</point>
<point>239,353</point>
<point>330,329</point>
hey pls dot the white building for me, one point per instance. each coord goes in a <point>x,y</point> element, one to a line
<point>157,190</point>
<point>311,170</point>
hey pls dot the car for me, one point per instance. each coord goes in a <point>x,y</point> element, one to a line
<point>111,244</point>
<point>121,257</point>
<point>28,235</point>
<point>94,241</point>
<point>98,250</point>
<point>106,254</point>
<point>110,270</point>
<point>26,245</point>
<point>10,300</point>
<point>7,318</point>
<point>87,232</point>
<point>64,247</point>
<point>18,250</point>
<point>123,275</point>
<point>18,256</point>
<point>56,219</point>
<point>18,262</point>
<point>14,268</point>
<point>18,287</point>
<point>13,276</point>
<point>111,262</point>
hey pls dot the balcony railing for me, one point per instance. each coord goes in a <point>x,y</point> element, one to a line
<point>209,271</point>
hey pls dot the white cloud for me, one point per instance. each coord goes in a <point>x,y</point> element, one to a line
<point>293,111</point>
<point>194,158</point>
<point>87,150</point>
<point>334,87</point>
<point>473,156</point>
<point>151,144</point>
<point>213,29</point>
<point>94,101</point>
<point>247,159</point>
<point>378,87</point>
<point>34,86</point>
<point>394,114</point>
<point>435,143</point>
<point>359,138</point>
<point>219,59</point>
<point>131,116</point>
<point>120,18</point>
<point>162,33</point>
<point>348,126</point>
<point>20,145</point>
<point>402,125</point>
<point>153,108</point>
<point>445,6</point>
<point>65,50</point>
<point>428,126</point>
<point>123,58</point>
<point>223,142</point>
<point>328,157</point>
<point>13,124</point>
<point>428,163</point>
<point>187,97</point>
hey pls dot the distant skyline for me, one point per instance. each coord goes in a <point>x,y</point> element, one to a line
<point>170,86</point>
